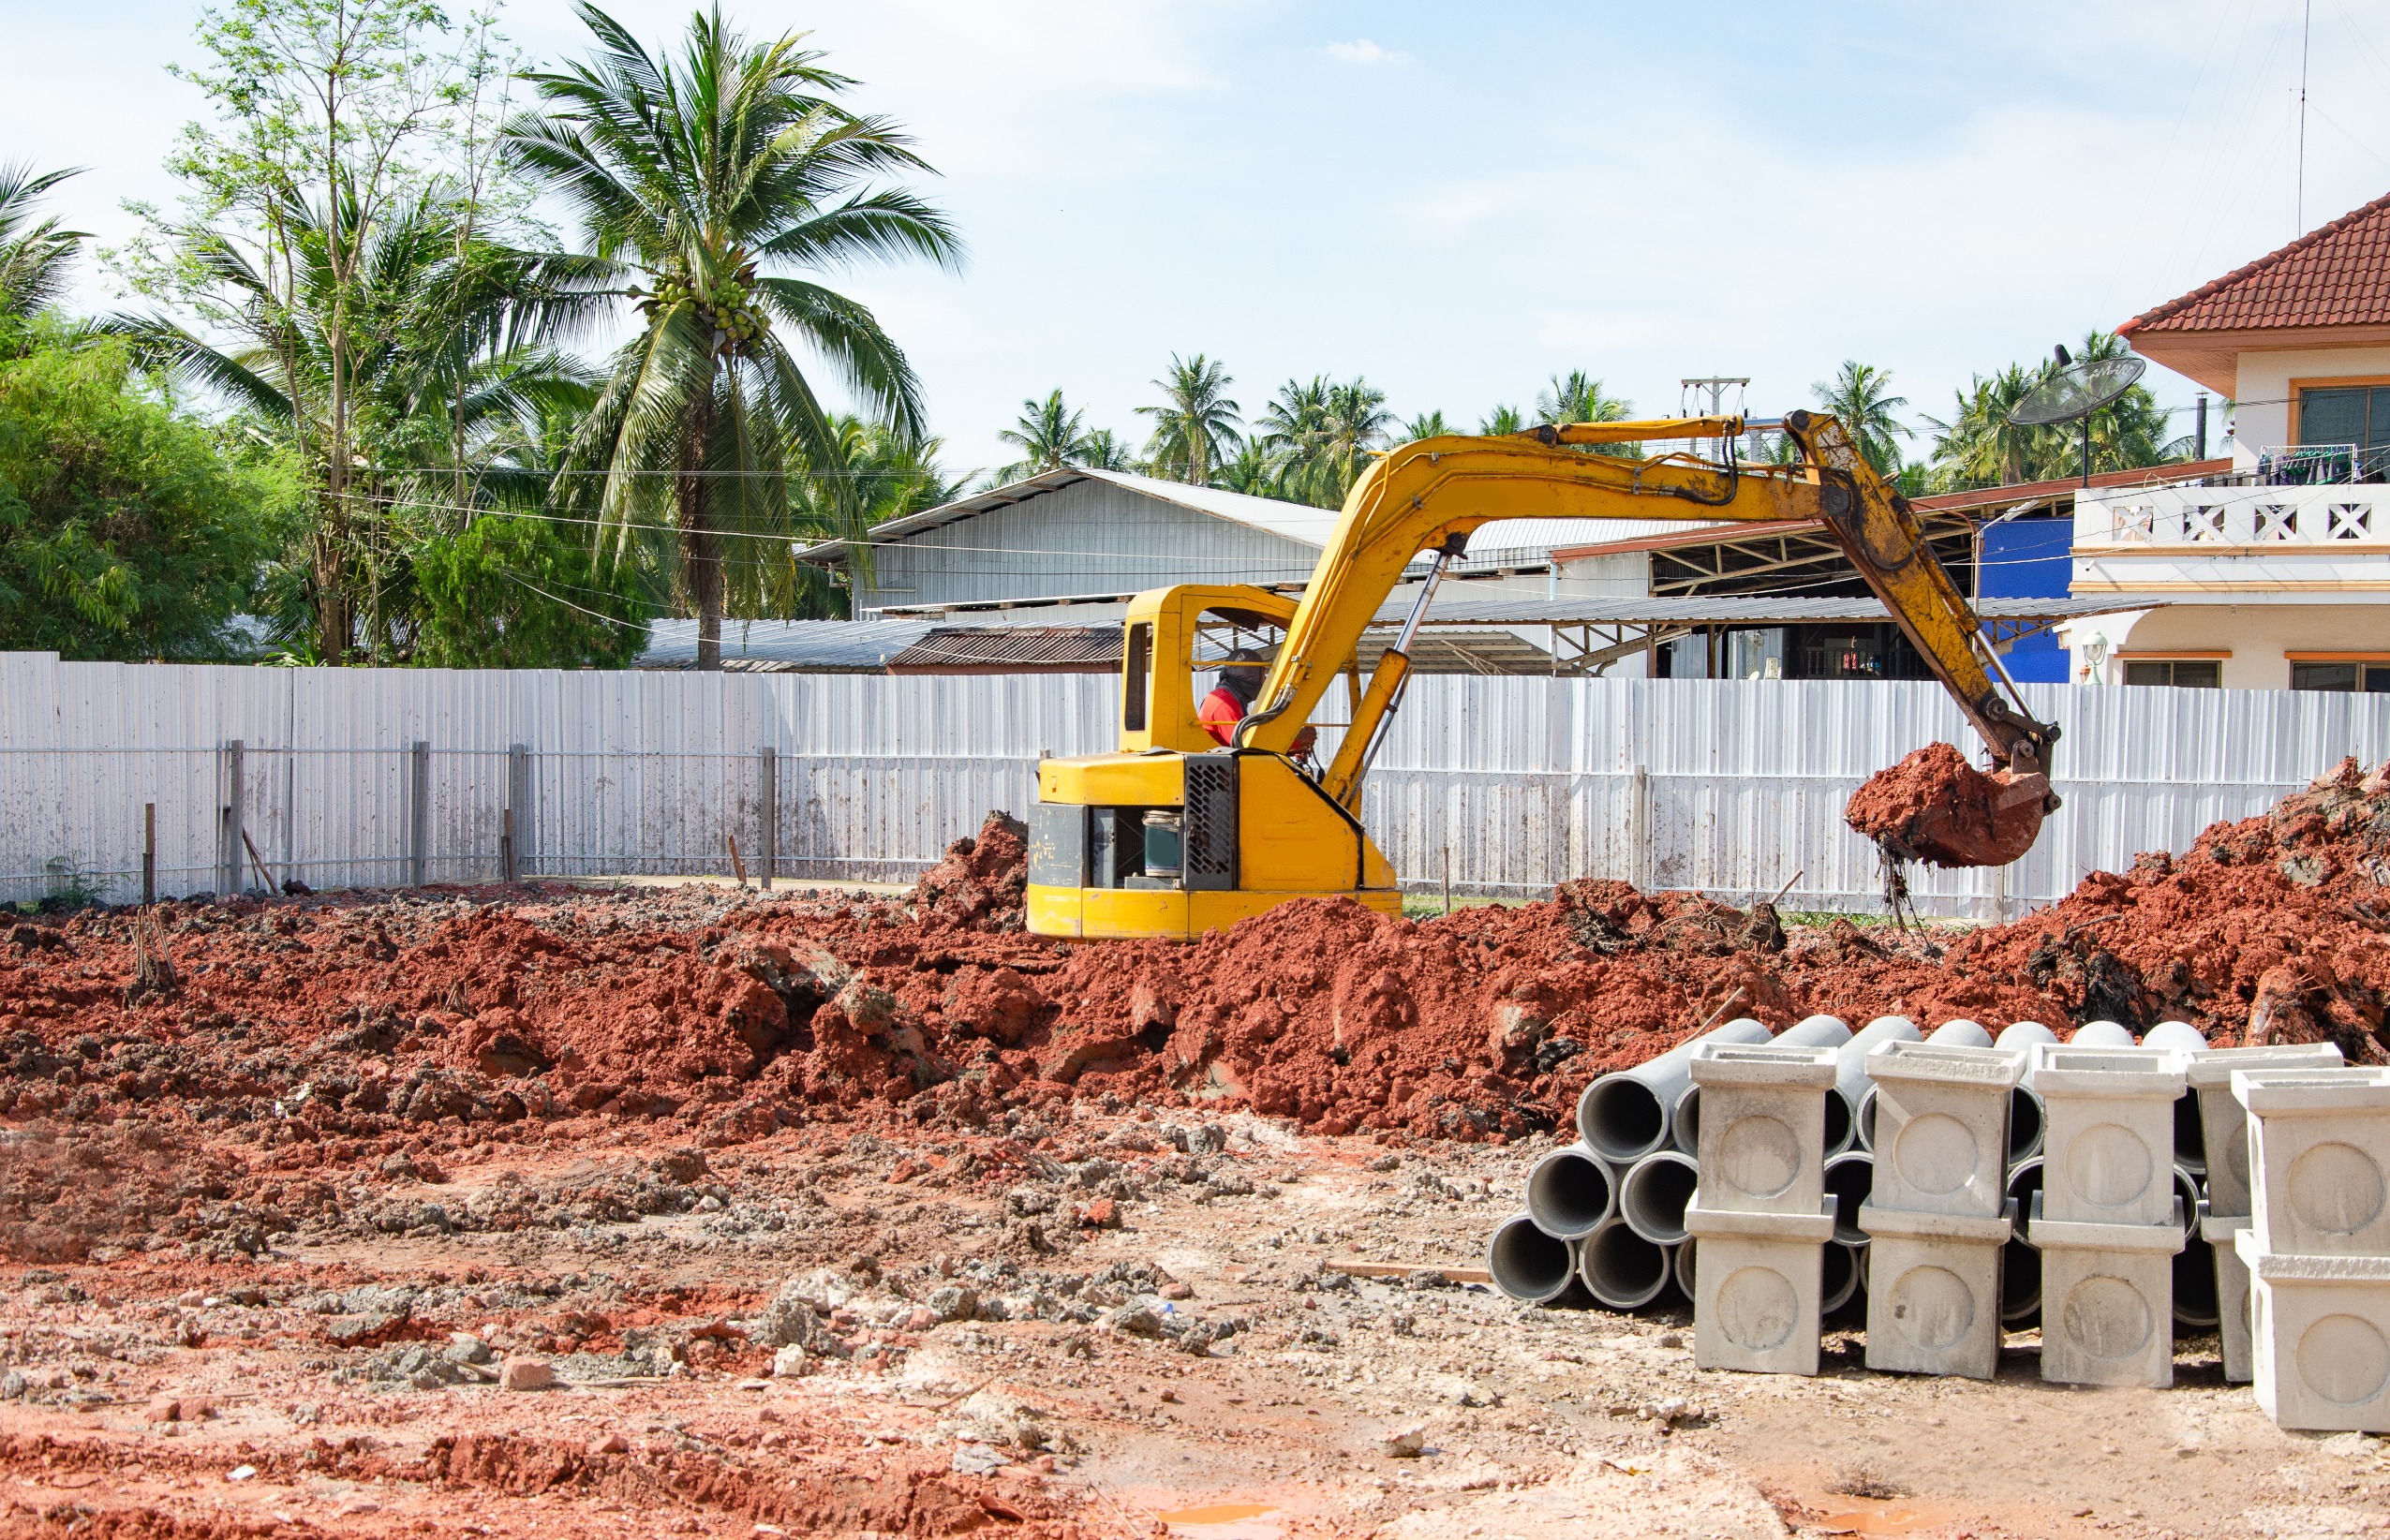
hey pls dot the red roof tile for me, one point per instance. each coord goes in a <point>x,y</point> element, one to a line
<point>2338,276</point>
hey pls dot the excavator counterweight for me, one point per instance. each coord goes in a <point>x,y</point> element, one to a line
<point>1178,832</point>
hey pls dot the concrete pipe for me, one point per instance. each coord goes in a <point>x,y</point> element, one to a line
<point>1850,1071</point>
<point>1625,1115</point>
<point>1652,1198</point>
<point>2027,1120</point>
<point>2195,1308</point>
<point>2100,1034</point>
<point>1839,1267</point>
<point>1621,1269</point>
<point>1528,1264</point>
<point>1679,1267</point>
<point>1685,1121</point>
<point>1570,1191</point>
<point>1850,1176</point>
<point>2190,1134</point>
<point>2020,1264</point>
<point>2187,1189</point>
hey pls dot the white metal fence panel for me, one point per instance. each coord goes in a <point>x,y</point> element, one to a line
<point>1510,784</point>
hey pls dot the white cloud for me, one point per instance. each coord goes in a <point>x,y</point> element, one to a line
<point>1363,51</point>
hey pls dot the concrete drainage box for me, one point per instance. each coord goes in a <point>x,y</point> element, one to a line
<point>2319,1160</point>
<point>1938,1213</point>
<point>2225,1211</point>
<point>2107,1297</point>
<point>1942,1127</point>
<point>1757,1288</point>
<point>2109,1157</point>
<point>2320,1329</point>
<point>1761,1216</point>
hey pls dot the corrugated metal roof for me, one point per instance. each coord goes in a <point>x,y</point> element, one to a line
<point>1012,650</point>
<point>803,647</point>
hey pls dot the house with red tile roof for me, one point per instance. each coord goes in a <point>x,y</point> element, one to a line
<point>2274,574</point>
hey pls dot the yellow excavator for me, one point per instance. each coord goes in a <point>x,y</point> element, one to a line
<point>1175,835</point>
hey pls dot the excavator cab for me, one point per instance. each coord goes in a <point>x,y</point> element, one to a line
<point>1175,835</point>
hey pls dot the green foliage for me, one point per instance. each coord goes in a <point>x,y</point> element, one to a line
<point>1579,397</point>
<point>1319,435</point>
<point>1978,446</point>
<point>1101,450</point>
<point>517,593</point>
<point>1425,425</point>
<point>1501,420</point>
<point>126,531</point>
<point>1048,434</point>
<point>707,183</point>
<point>1196,428</point>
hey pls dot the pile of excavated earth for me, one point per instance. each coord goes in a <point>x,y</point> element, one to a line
<point>348,1159</point>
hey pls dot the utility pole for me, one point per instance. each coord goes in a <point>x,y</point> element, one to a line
<point>2299,215</point>
<point>1717,387</point>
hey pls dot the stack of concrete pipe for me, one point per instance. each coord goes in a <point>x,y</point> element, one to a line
<point>2317,1246</point>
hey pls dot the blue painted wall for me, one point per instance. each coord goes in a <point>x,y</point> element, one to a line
<point>2026,559</point>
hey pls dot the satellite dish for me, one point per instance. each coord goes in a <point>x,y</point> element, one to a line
<point>2073,392</point>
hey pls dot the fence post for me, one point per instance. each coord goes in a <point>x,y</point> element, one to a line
<point>1639,863</point>
<point>229,832</point>
<point>768,849</point>
<point>520,821</point>
<point>149,853</point>
<point>418,811</point>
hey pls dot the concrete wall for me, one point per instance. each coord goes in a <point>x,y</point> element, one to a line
<point>2261,416</point>
<point>2258,637</point>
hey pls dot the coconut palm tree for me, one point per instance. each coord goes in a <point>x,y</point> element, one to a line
<point>1860,398</point>
<point>1102,450</point>
<point>1501,420</point>
<point>1196,429</point>
<point>1579,397</point>
<point>1048,434</point>
<point>33,256</point>
<point>708,181</point>
<point>1356,426</point>
<point>1425,425</point>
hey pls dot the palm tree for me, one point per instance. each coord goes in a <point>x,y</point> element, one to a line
<point>1048,434</point>
<point>1978,446</point>
<point>1356,424</point>
<point>1577,397</point>
<point>711,179</point>
<point>1253,472</point>
<point>32,257</point>
<point>1501,420</point>
<point>1293,433</point>
<point>1425,425</point>
<point>1101,449</point>
<point>1860,398</point>
<point>443,342</point>
<point>1196,427</point>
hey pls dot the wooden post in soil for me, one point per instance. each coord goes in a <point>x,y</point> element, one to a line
<point>149,853</point>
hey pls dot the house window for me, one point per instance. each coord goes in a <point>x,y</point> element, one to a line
<point>2181,673</point>
<point>2356,415</point>
<point>2342,677</point>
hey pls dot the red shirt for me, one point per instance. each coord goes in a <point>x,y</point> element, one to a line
<point>1220,712</point>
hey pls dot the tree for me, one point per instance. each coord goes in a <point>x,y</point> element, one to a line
<point>1196,429</point>
<point>439,346</point>
<point>332,115</point>
<point>1425,425</point>
<point>522,592</point>
<point>1048,434</point>
<point>1102,451</point>
<point>1860,398</point>
<point>1501,420</point>
<point>1579,397</point>
<point>1978,446</point>
<point>126,531</point>
<point>712,180</point>
<point>34,258</point>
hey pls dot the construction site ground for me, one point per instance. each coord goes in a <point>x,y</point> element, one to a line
<point>568,1212</point>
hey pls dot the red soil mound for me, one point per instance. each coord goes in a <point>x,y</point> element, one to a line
<point>322,1031</point>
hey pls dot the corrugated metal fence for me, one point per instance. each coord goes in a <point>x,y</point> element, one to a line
<point>358,777</point>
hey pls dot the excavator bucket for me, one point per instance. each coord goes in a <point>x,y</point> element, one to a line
<point>1935,806</point>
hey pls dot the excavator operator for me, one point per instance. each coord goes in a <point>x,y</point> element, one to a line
<point>1240,678</point>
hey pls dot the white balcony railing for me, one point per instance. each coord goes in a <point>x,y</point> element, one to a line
<point>2328,517</point>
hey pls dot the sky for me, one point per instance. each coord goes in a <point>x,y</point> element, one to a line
<point>1458,202</point>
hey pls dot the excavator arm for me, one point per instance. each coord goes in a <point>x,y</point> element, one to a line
<point>1434,493</point>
